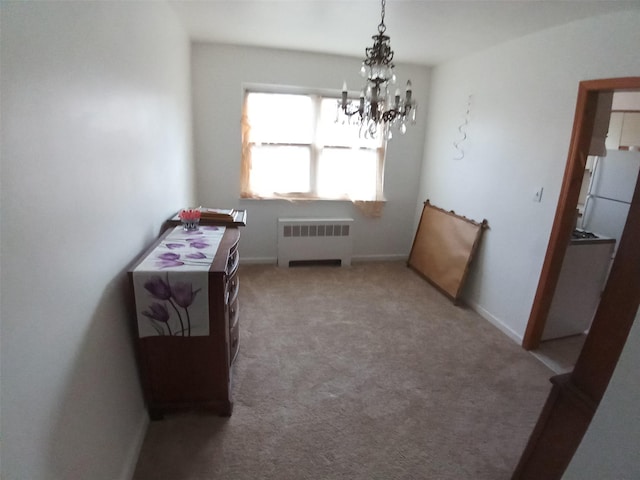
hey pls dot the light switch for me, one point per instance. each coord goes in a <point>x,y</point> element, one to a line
<point>537,196</point>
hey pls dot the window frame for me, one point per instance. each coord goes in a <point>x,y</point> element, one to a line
<point>315,149</point>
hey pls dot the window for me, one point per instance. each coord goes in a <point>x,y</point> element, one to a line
<point>292,147</point>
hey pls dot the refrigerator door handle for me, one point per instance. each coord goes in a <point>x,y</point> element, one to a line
<point>594,174</point>
<point>592,182</point>
<point>585,211</point>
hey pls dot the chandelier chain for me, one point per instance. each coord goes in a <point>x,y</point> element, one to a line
<point>382,27</point>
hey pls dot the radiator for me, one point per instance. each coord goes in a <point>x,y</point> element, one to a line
<point>314,239</point>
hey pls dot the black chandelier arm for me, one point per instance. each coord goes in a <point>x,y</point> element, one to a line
<point>353,112</point>
<point>390,115</point>
<point>349,112</point>
<point>386,116</point>
<point>407,109</point>
<point>377,82</point>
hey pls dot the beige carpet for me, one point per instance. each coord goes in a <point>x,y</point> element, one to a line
<point>364,372</point>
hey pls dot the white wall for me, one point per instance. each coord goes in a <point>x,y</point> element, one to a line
<point>95,154</point>
<point>609,449</point>
<point>523,102</point>
<point>219,73</point>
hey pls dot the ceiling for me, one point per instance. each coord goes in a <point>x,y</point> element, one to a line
<point>425,32</point>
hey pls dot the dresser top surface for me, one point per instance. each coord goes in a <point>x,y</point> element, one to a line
<point>206,248</point>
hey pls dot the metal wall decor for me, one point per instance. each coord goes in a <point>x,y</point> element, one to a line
<point>462,128</point>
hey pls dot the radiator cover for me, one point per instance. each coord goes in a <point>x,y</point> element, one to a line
<point>311,239</point>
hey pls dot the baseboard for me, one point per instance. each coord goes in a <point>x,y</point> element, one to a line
<point>379,258</point>
<point>355,258</point>
<point>129,467</point>
<point>496,322</point>
<point>258,260</point>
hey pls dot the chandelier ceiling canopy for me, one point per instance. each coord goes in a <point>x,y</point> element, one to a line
<point>377,109</point>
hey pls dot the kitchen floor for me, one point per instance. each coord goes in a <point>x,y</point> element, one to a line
<point>560,354</point>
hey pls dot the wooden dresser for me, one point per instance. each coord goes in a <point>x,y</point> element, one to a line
<point>183,367</point>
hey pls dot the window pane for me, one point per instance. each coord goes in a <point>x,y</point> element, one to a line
<point>338,134</point>
<point>280,169</point>
<point>280,118</point>
<point>296,149</point>
<point>347,172</point>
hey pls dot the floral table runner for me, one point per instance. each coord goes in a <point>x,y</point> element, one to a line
<point>171,284</point>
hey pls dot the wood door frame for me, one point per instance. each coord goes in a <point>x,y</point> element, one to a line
<point>563,223</point>
<point>575,396</point>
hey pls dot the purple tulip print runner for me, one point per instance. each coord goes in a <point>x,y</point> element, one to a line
<point>171,284</point>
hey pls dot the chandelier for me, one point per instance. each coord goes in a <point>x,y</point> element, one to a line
<point>377,110</point>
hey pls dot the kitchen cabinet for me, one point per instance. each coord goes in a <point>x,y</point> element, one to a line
<point>630,132</point>
<point>624,130</point>
<point>601,124</point>
<point>584,273</point>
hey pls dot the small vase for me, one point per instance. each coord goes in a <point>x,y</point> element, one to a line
<point>190,225</point>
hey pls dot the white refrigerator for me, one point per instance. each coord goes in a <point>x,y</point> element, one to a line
<point>613,180</point>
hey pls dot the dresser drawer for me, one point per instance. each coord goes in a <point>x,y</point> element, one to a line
<point>233,261</point>
<point>234,332</point>
<point>233,313</point>
<point>231,290</point>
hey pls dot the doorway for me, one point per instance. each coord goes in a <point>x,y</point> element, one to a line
<point>575,396</point>
<point>565,219</point>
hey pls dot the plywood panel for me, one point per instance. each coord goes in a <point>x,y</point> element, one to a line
<point>443,248</point>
